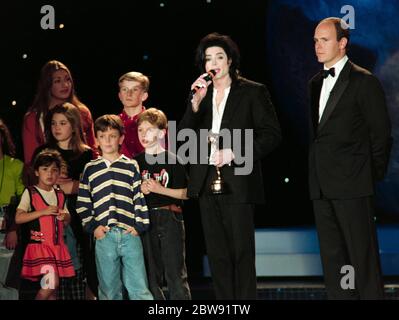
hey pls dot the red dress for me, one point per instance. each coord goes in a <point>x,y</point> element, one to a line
<point>46,249</point>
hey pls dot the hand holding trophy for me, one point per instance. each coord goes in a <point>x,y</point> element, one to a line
<point>218,186</point>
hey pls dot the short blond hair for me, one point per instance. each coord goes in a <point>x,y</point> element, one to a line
<point>136,76</point>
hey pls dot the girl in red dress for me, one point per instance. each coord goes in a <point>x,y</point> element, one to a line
<point>43,207</point>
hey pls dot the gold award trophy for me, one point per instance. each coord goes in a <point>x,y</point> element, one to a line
<point>218,186</point>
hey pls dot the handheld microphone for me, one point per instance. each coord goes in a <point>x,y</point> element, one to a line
<point>208,77</point>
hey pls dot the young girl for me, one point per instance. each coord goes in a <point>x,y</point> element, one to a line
<point>63,133</point>
<point>55,86</point>
<point>46,256</point>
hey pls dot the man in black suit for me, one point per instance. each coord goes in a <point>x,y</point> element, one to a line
<point>229,102</point>
<point>349,152</point>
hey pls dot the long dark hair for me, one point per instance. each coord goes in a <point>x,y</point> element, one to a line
<point>77,142</point>
<point>7,144</point>
<point>41,103</point>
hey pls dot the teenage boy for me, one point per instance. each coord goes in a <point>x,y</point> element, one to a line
<point>133,91</point>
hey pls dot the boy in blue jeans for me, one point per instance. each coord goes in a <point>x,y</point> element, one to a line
<point>112,206</point>
<point>164,185</point>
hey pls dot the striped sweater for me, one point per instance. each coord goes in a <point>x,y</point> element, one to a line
<point>112,196</point>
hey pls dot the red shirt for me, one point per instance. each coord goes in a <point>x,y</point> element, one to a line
<point>131,145</point>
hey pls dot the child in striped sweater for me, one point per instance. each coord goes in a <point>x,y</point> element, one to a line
<point>112,207</point>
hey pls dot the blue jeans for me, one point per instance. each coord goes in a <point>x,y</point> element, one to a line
<point>120,262</point>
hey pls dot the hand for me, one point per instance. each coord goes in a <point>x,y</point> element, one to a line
<point>154,186</point>
<point>222,157</point>
<point>11,240</point>
<point>100,232</point>
<point>132,231</point>
<point>201,93</point>
<point>144,187</point>
<point>61,215</point>
<point>50,210</point>
<point>63,180</point>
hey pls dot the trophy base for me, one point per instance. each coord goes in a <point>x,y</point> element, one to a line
<point>218,189</point>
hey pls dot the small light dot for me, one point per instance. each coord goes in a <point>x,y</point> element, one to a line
<point>286,180</point>
<point>161,4</point>
<point>14,103</point>
<point>208,1</point>
<point>62,26</point>
<point>145,57</point>
<point>24,56</point>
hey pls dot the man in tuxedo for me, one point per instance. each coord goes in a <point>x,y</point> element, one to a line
<point>349,152</point>
<point>229,102</point>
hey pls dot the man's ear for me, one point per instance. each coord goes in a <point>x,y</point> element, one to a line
<point>144,96</point>
<point>36,173</point>
<point>161,134</point>
<point>121,138</point>
<point>343,43</point>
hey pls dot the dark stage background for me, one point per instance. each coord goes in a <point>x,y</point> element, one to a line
<point>101,41</point>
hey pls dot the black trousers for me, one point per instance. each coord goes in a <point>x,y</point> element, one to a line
<point>164,252</point>
<point>230,244</point>
<point>347,236</point>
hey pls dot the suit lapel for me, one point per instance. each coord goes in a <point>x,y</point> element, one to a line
<point>336,94</point>
<point>315,98</point>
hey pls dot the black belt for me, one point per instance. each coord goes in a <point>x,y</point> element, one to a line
<point>171,207</point>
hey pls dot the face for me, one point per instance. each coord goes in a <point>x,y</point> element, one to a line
<point>216,58</point>
<point>109,141</point>
<point>61,128</point>
<point>149,135</point>
<point>62,85</point>
<point>328,49</point>
<point>48,175</point>
<point>131,94</point>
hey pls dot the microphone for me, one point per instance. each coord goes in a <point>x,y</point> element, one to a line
<point>211,74</point>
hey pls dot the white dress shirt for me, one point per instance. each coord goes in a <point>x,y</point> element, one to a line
<point>217,115</point>
<point>329,83</point>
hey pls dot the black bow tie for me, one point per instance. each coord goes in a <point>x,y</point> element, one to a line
<point>326,73</point>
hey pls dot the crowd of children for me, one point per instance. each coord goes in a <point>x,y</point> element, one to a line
<point>88,217</point>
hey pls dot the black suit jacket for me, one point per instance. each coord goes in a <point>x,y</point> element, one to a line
<point>248,106</point>
<point>350,147</point>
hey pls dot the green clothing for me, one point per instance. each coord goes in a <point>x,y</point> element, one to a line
<point>10,179</point>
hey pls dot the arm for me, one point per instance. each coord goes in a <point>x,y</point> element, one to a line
<point>156,187</point>
<point>22,216</point>
<point>68,186</point>
<point>374,108</point>
<point>64,215</point>
<point>84,204</point>
<point>30,142</point>
<point>18,168</point>
<point>140,206</point>
<point>194,111</point>
<point>267,132</point>
<point>88,127</point>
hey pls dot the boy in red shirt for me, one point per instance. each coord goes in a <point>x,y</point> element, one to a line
<point>133,91</point>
